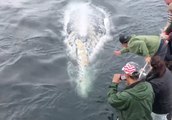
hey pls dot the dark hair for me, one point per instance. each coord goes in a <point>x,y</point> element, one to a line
<point>124,39</point>
<point>158,66</point>
<point>135,75</point>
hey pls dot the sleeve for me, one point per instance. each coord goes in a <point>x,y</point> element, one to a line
<point>168,29</point>
<point>169,17</point>
<point>140,48</point>
<point>124,50</point>
<point>119,100</point>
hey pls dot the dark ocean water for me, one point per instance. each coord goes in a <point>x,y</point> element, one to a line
<point>34,82</point>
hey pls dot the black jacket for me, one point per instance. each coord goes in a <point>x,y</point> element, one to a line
<point>162,87</point>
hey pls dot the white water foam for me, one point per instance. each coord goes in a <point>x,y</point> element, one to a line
<point>86,29</point>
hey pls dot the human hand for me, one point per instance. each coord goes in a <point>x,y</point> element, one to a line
<point>147,59</point>
<point>164,36</point>
<point>117,52</point>
<point>116,78</point>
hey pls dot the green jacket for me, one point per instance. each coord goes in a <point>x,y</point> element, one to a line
<point>143,45</point>
<point>134,103</point>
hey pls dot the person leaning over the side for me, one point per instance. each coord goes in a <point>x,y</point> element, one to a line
<point>143,45</point>
<point>161,80</point>
<point>167,35</point>
<point>135,102</point>
<point>169,21</point>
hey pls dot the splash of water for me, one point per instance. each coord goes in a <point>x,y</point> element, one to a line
<point>87,28</point>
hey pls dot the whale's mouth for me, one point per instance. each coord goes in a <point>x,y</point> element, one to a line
<point>86,28</point>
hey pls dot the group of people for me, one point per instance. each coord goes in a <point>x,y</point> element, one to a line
<point>149,97</point>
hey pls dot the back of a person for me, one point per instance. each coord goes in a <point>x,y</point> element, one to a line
<point>140,102</point>
<point>152,42</point>
<point>161,80</point>
<point>163,93</point>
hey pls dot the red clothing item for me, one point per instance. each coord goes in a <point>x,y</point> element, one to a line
<point>168,1</point>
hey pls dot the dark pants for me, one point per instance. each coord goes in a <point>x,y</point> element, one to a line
<point>162,50</point>
<point>169,52</point>
<point>168,57</point>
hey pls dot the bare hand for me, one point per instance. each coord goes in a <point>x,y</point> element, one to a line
<point>116,78</point>
<point>147,59</point>
<point>117,53</point>
<point>164,36</point>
